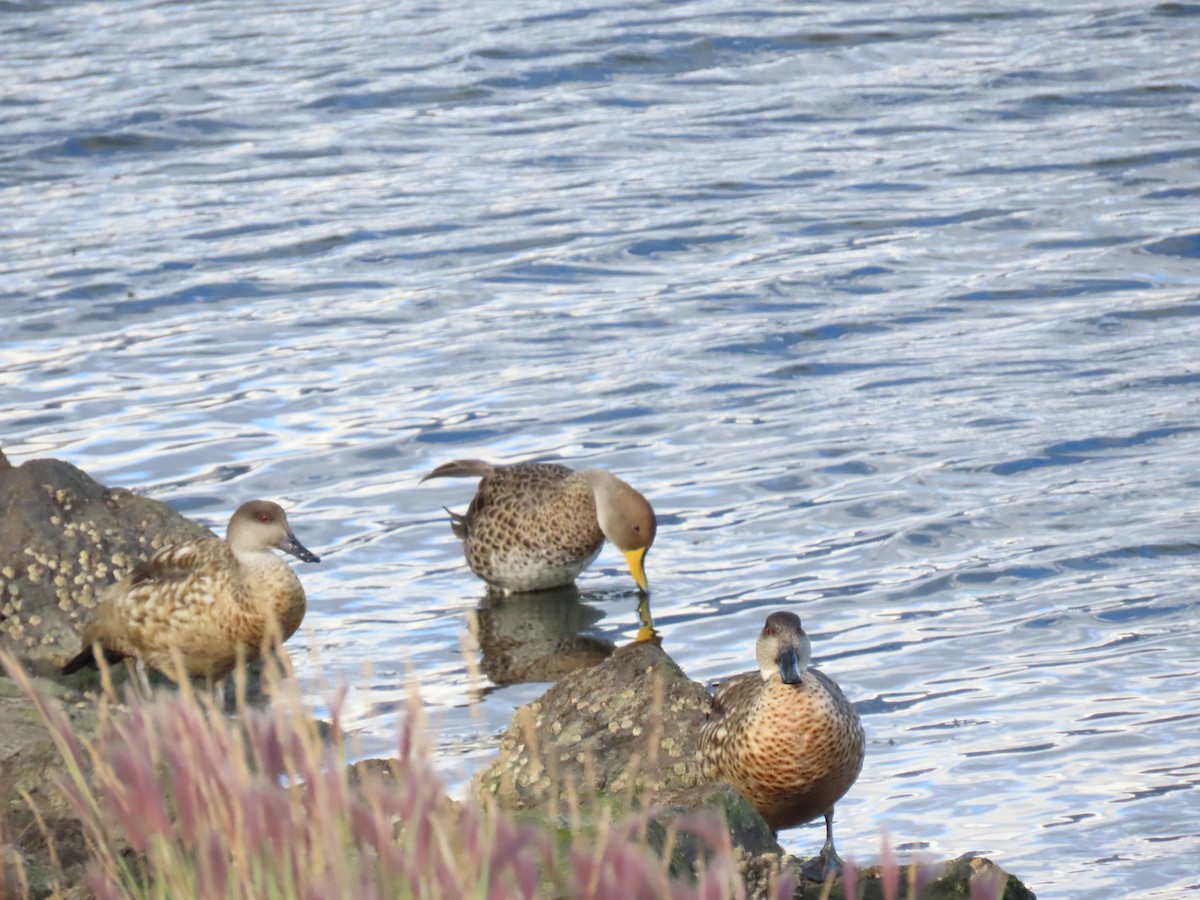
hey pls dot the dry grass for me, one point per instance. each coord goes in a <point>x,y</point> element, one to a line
<point>177,799</point>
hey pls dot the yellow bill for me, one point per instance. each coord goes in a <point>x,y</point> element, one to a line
<point>635,558</point>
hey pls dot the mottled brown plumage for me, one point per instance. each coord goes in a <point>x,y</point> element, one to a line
<point>533,526</point>
<point>204,599</point>
<point>785,736</point>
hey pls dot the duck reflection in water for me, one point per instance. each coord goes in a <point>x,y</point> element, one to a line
<point>538,636</point>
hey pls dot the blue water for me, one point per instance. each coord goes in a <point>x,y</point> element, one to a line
<point>893,314</point>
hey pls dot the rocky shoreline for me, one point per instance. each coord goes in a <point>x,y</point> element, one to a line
<point>620,732</point>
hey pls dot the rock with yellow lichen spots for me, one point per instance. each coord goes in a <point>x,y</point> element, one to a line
<point>626,728</point>
<point>63,539</point>
<point>622,734</point>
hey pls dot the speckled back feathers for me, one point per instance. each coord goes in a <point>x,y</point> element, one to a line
<point>530,526</point>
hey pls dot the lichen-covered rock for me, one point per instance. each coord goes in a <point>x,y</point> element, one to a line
<point>971,876</point>
<point>674,824</point>
<point>63,539</point>
<point>625,732</point>
<point>964,878</point>
<point>627,728</point>
<point>28,756</point>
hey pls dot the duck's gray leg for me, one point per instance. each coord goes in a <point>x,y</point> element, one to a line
<point>143,678</point>
<point>216,690</point>
<point>827,861</point>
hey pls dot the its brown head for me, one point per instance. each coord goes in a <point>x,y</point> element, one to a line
<point>783,648</point>
<point>259,525</point>
<point>626,518</point>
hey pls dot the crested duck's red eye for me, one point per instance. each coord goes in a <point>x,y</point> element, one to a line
<point>264,518</point>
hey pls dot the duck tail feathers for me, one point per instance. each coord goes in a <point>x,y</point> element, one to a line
<point>462,468</point>
<point>459,524</point>
<point>86,659</point>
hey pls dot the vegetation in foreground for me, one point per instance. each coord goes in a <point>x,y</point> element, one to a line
<point>177,799</point>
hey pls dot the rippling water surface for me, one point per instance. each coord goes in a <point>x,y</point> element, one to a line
<point>892,311</point>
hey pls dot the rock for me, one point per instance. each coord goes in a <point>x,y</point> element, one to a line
<point>959,879</point>
<point>961,876</point>
<point>626,732</point>
<point>629,725</point>
<point>623,732</point>
<point>64,538</point>
<point>27,859</point>
<point>745,828</point>
<point>28,756</point>
<point>29,763</point>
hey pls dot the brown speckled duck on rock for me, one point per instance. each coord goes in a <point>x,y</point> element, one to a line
<point>785,736</point>
<point>207,600</point>
<point>533,526</point>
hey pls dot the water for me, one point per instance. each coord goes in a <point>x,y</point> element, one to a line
<point>893,314</point>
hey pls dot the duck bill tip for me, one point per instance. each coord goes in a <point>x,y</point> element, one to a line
<point>298,550</point>
<point>789,667</point>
